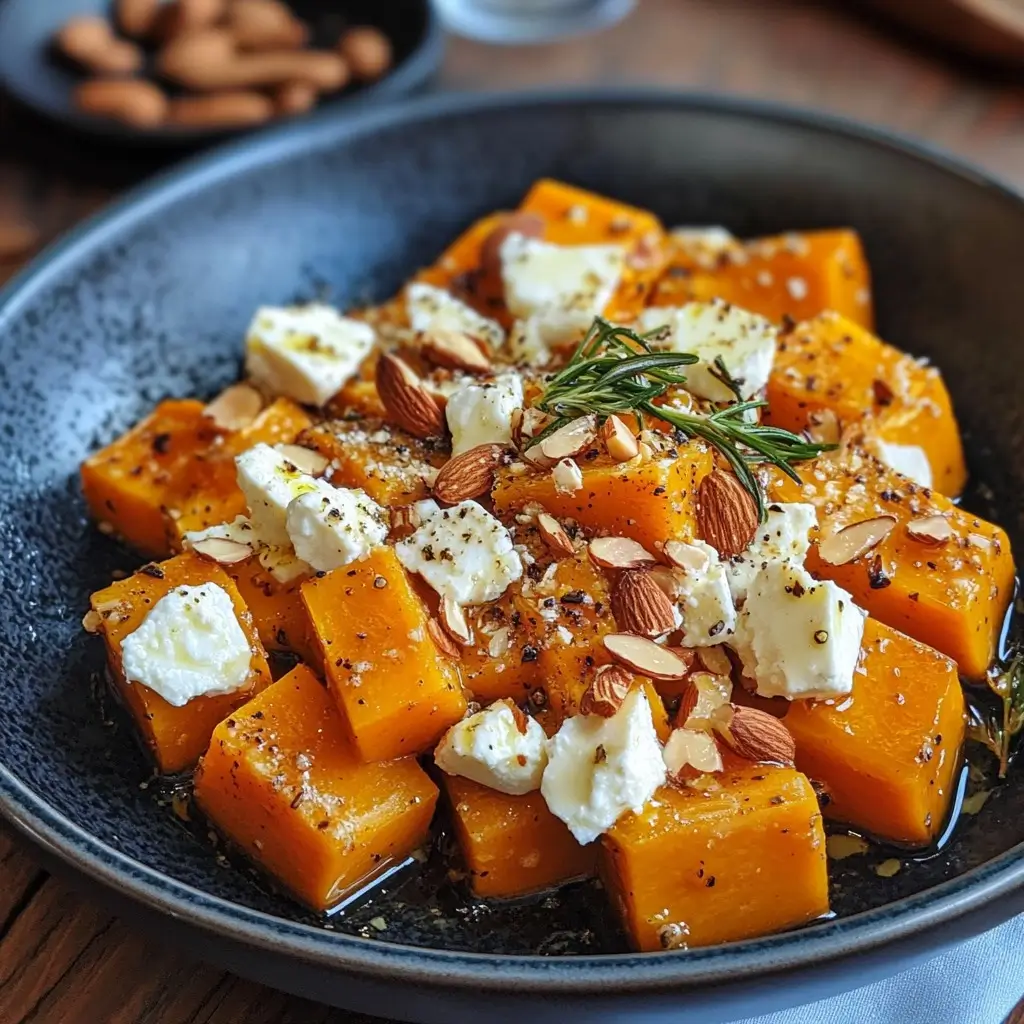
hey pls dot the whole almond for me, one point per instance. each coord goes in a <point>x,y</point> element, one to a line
<point>606,692</point>
<point>757,736</point>
<point>553,534</point>
<point>726,513</point>
<point>455,351</point>
<point>640,605</point>
<point>468,475</point>
<point>619,553</point>
<point>855,539</point>
<point>407,400</point>
<point>934,530</point>
<point>645,656</point>
<point>620,441</point>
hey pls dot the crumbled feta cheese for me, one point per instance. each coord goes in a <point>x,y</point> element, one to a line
<point>435,309</point>
<point>744,341</point>
<point>568,476</point>
<point>464,553</point>
<point>491,748</point>
<point>189,645</point>
<point>481,413</point>
<point>783,537</point>
<point>704,606</point>
<point>528,342</point>
<point>332,526</point>
<point>908,459</point>
<point>562,284</point>
<point>270,483</point>
<point>599,768</point>
<point>305,352</point>
<point>798,636</point>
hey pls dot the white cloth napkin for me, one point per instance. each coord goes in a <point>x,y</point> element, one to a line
<point>978,982</point>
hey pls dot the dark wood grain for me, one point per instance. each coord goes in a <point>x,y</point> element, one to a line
<point>63,959</point>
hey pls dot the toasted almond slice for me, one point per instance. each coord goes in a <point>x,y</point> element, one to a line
<point>527,423</point>
<point>407,400</point>
<point>823,427</point>
<point>531,225</point>
<point>619,553</point>
<point>235,407</point>
<point>715,660</point>
<point>444,643</point>
<point>553,534</point>
<point>92,621</point>
<point>468,475</point>
<point>645,656</point>
<point>499,642</point>
<point>404,520</point>
<point>571,439</point>
<point>453,618</point>
<point>933,530</point>
<point>726,513</point>
<point>687,748</point>
<point>305,459</point>
<point>222,550</point>
<point>606,692</point>
<point>455,351</point>
<point>756,735</point>
<point>855,540</point>
<point>666,579</point>
<point>518,715</point>
<point>620,441</point>
<point>640,606</point>
<point>687,556</point>
<point>705,695</point>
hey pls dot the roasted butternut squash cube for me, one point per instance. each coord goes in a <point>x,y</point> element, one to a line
<point>832,363</point>
<point>797,275</point>
<point>357,398</point>
<point>513,845</point>
<point>397,691</point>
<point>283,781</point>
<point>951,596</point>
<point>741,856</point>
<point>131,484</point>
<point>650,500</point>
<point>175,736</point>
<point>503,659</point>
<point>890,752</point>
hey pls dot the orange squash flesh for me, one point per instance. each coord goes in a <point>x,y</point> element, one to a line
<point>176,737</point>
<point>649,501</point>
<point>283,782</point>
<point>397,691</point>
<point>832,363</point>
<point>951,597</point>
<point>890,752</point>
<point>512,845</point>
<point>741,857</point>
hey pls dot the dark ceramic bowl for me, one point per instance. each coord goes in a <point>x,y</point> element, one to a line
<point>40,79</point>
<point>152,298</point>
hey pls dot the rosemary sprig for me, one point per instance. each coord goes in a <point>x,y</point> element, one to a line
<point>996,727</point>
<point>614,371</point>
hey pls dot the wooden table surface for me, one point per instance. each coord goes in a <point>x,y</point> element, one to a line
<point>63,958</point>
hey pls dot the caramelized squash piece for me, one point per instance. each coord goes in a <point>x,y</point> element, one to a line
<point>503,659</point>
<point>797,275</point>
<point>398,692</point>
<point>831,363</point>
<point>649,500</point>
<point>283,782</point>
<point>951,596</point>
<point>131,483</point>
<point>176,737</point>
<point>513,845</point>
<point>890,752</point>
<point>742,856</point>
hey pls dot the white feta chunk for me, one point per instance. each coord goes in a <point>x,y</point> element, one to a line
<point>785,536</point>
<point>433,309</point>
<point>270,483</point>
<point>491,748</point>
<point>190,644</point>
<point>704,606</point>
<point>481,413</point>
<point>908,459</point>
<point>599,768</point>
<point>568,476</point>
<point>744,341</point>
<point>799,637</point>
<point>332,526</point>
<point>464,553</point>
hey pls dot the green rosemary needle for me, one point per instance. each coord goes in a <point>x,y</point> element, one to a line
<point>614,371</point>
<point>997,727</point>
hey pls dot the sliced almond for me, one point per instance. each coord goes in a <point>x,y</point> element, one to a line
<point>620,441</point>
<point>619,553</point>
<point>933,530</point>
<point>554,535</point>
<point>689,749</point>
<point>645,656</point>
<point>222,550</point>
<point>404,520</point>
<point>444,643</point>
<point>305,459</point>
<point>455,351</point>
<point>235,407</point>
<point>407,400</point>
<point>522,722</point>
<point>726,513</point>
<point>500,642</point>
<point>606,692</point>
<point>468,475</point>
<point>667,579</point>
<point>855,540</point>
<point>571,439</point>
<point>92,621</point>
<point>527,423</point>
<point>705,695</point>
<point>823,427</point>
<point>757,736</point>
<point>530,225</point>
<point>641,606</point>
<point>687,556</point>
<point>453,618</point>
<point>715,660</point>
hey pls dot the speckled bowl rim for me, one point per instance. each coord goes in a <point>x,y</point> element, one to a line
<point>974,893</point>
